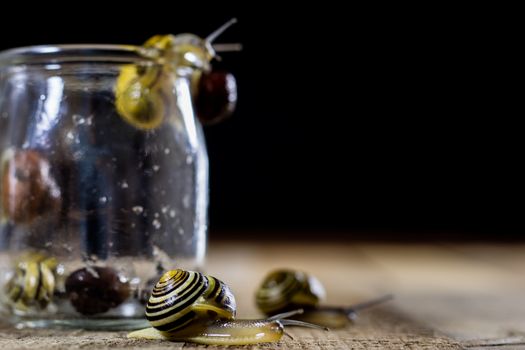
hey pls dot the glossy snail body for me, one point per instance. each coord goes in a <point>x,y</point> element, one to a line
<point>33,282</point>
<point>284,290</point>
<point>141,91</point>
<point>193,307</point>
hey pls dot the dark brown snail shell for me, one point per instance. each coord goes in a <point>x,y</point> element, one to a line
<point>216,96</point>
<point>95,290</point>
<point>28,188</point>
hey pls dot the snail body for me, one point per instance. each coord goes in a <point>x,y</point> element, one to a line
<point>234,332</point>
<point>141,91</point>
<point>193,307</point>
<point>284,290</point>
<point>33,282</point>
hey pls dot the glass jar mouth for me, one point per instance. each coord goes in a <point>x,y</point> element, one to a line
<point>78,53</point>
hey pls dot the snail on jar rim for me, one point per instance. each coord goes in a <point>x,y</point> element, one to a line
<point>284,290</point>
<point>193,307</point>
<point>142,90</point>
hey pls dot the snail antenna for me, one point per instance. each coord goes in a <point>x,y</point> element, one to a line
<point>227,47</point>
<point>367,304</point>
<point>210,38</point>
<point>285,315</point>
<point>298,323</point>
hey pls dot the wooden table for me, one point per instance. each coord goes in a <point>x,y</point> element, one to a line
<point>447,297</point>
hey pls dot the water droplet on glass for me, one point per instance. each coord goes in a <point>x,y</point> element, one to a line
<point>110,244</point>
<point>133,225</point>
<point>164,209</point>
<point>156,168</point>
<point>70,135</point>
<point>181,231</point>
<point>156,215</point>
<point>124,184</point>
<point>137,209</point>
<point>172,213</point>
<point>92,271</point>
<point>67,247</point>
<point>103,199</point>
<point>167,151</point>
<point>78,119</point>
<point>156,223</point>
<point>78,155</point>
<point>189,159</point>
<point>42,97</point>
<point>186,201</point>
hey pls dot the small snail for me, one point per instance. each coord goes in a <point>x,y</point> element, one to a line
<point>28,188</point>
<point>33,282</point>
<point>284,290</point>
<point>193,307</point>
<point>94,290</point>
<point>141,91</point>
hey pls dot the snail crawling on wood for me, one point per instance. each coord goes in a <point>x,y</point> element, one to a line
<point>285,290</point>
<point>142,91</point>
<point>192,307</point>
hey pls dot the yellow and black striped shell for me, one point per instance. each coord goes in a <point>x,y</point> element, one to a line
<point>286,290</point>
<point>33,282</point>
<point>186,300</point>
<point>143,92</point>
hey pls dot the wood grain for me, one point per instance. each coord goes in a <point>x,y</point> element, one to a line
<point>447,297</point>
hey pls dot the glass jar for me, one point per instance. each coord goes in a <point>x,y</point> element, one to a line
<point>93,208</point>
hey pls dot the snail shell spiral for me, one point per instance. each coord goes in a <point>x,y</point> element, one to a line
<point>33,282</point>
<point>285,290</point>
<point>186,300</point>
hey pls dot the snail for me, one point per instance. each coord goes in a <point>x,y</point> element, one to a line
<point>96,289</point>
<point>193,307</point>
<point>141,91</point>
<point>29,190</point>
<point>283,290</point>
<point>33,282</point>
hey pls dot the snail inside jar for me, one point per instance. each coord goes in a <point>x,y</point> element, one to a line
<point>104,173</point>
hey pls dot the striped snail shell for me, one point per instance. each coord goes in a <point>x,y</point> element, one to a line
<point>33,282</point>
<point>285,290</point>
<point>189,306</point>
<point>187,299</point>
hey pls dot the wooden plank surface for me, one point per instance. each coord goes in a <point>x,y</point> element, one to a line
<point>447,297</point>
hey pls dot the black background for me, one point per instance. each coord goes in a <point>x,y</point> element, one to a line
<point>377,122</point>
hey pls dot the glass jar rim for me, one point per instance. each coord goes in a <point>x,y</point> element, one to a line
<point>78,53</point>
